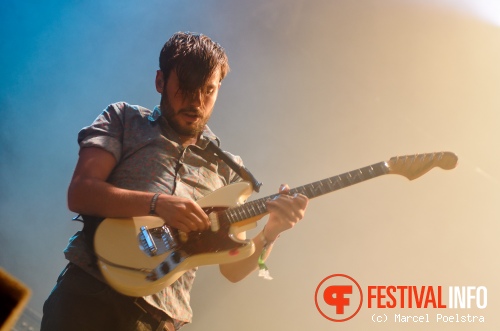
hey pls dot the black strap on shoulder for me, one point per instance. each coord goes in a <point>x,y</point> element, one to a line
<point>90,225</point>
<point>242,171</point>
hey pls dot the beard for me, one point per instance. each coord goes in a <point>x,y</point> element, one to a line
<point>176,123</point>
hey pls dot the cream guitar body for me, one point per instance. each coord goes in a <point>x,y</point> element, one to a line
<point>139,256</point>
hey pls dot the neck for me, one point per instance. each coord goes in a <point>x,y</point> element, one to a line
<point>188,140</point>
<point>185,140</point>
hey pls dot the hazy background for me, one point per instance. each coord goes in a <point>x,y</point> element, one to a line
<point>317,88</point>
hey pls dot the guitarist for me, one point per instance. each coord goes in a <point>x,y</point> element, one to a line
<point>137,162</point>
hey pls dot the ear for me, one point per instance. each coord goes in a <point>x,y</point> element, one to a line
<point>159,81</point>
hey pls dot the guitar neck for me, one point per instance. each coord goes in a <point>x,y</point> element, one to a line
<point>258,207</point>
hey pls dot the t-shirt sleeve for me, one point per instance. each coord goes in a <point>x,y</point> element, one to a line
<point>106,131</point>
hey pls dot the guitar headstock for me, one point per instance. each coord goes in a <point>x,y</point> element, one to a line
<point>414,166</point>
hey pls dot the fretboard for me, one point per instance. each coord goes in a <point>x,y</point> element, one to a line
<point>258,207</point>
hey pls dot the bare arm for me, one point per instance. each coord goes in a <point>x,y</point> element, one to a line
<point>284,213</point>
<point>90,194</point>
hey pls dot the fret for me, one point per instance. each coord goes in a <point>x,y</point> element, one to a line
<point>366,173</point>
<point>312,190</point>
<point>227,215</point>
<point>308,188</point>
<point>359,176</point>
<point>261,206</point>
<point>240,214</point>
<point>252,206</point>
<point>349,178</point>
<point>245,211</point>
<point>234,215</point>
<point>371,172</point>
<point>332,183</point>
<point>338,181</point>
<point>318,188</point>
<point>322,184</point>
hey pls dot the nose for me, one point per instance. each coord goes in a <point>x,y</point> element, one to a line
<point>196,99</point>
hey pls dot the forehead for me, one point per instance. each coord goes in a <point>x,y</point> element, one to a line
<point>215,78</point>
<point>191,82</point>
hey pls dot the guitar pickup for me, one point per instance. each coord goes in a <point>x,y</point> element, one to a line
<point>214,222</point>
<point>147,241</point>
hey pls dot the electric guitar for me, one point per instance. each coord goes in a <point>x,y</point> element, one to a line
<point>141,255</point>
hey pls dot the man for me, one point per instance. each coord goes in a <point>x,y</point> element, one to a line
<point>137,162</point>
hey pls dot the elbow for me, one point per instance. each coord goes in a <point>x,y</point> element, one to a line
<point>231,275</point>
<point>74,198</point>
<point>73,203</point>
<point>233,279</point>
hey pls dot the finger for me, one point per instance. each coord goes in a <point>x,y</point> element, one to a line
<point>289,207</point>
<point>284,209</point>
<point>301,200</point>
<point>187,219</point>
<point>284,189</point>
<point>198,223</point>
<point>191,222</point>
<point>197,219</point>
<point>180,226</point>
<point>295,198</point>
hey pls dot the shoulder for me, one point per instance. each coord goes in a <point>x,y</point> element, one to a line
<point>125,109</point>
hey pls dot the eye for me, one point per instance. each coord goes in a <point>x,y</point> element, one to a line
<point>210,89</point>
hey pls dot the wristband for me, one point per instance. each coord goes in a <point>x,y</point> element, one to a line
<point>263,269</point>
<point>264,240</point>
<point>152,206</point>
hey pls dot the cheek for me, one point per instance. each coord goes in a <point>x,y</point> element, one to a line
<point>210,102</point>
<point>175,100</point>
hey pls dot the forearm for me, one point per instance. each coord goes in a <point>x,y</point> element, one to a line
<point>90,194</point>
<point>97,198</point>
<point>284,212</point>
<point>237,271</point>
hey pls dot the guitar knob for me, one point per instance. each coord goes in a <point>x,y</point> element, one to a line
<point>165,268</point>
<point>176,256</point>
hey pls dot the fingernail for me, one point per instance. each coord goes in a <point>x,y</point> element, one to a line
<point>273,198</point>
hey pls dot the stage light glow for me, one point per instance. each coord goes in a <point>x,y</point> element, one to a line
<point>487,10</point>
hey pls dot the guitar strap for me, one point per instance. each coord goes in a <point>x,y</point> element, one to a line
<point>241,170</point>
<point>90,224</point>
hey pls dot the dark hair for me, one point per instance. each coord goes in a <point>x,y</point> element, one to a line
<point>194,57</point>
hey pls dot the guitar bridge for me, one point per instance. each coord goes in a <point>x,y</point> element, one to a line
<point>156,241</point>
<point>147,243</point>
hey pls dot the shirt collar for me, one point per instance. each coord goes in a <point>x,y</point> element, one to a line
<point>155,115</point>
